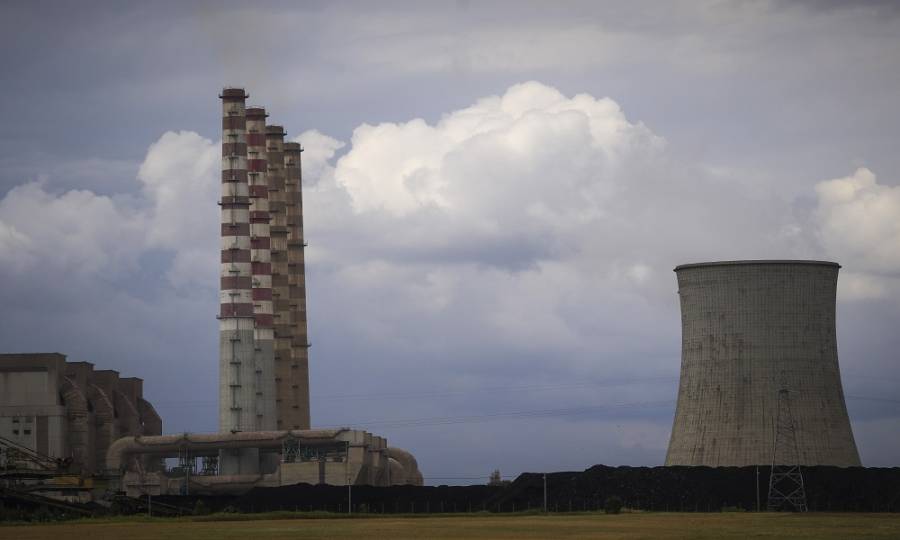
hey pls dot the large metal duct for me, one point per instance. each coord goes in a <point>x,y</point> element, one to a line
<point>150,420</point>
<point>209,444</point>
<point>105,424</point>
<point>128,418</point>
<point>78,417</point>
<point>749,330</point>
<point>409,473</point>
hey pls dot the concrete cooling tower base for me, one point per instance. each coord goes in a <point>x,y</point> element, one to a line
<point>749,330</point>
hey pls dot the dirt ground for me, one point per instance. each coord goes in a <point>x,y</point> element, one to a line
<point>626,526</point>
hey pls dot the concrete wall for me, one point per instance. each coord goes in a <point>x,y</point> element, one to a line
<point>749,328</point>
<point>333,457</point>
<point>31,410</point>
<point>62,409</point>
<point>335,473</point>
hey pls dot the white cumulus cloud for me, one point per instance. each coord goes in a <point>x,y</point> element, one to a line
<point>859,221</point>
<point>81,231</point>
<point>532,146</point>
<point>77,231</point>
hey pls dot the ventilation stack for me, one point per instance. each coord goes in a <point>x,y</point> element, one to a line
<point>264,434</point>
<point>261,269</point>
<point>236,372</point>
<point>751,329</point>
<point>242,362</point>
<point>297,414</point>
<point>280,290</point>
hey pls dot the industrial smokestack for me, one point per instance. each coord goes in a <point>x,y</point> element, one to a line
<point>292,373</point>
<point>298,416</point>
<point>750,329</point>
<point>261,269</point>
<point>280,291</point>
<point>236,317</point>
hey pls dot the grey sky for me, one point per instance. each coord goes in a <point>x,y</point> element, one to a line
<point>523,270</point>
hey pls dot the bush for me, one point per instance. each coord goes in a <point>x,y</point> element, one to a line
<point>200,509</point>
<point>612,505</point>
<point>43,515</point>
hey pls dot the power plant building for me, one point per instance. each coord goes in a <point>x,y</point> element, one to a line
<point>264,434</point>
<point>69,412</point>
<point>753,331</point>
<point>101,421</point>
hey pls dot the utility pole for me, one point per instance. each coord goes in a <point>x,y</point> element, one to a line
<point>757,488</point>
<point>149,508</point>
<point>349,496</point>
<point>545,493</point>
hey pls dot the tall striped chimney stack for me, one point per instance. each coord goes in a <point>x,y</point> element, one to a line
<point>263,364</point>
<point>261,270</point>
<point>296,415</point>
<point>237,370</point>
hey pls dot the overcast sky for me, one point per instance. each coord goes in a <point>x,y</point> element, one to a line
<point>496,194</point>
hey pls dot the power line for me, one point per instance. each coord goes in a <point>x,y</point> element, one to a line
<point>208,403</point>
<point>431,395</point>
<point>456,477</point>
<point>622,382</point>
<point>886,400</point>
<point>449,420</point>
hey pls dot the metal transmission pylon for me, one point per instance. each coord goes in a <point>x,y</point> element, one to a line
<point>786,491</point>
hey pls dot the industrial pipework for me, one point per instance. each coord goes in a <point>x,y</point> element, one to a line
<point>324,456</point>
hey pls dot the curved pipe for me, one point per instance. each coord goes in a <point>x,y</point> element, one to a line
<point>129,417</point>
<point>150,419</point>
<point>77,417</point>
<point>105,417</point>
<point>411,474</point>
<point>397,476</point>
<point>225,482</point>
<point>120,450</point>
<point>103,406</point>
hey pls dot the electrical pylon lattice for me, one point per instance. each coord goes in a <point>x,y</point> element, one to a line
<point>786,491</point>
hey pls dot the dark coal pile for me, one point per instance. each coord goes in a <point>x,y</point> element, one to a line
<point>25,506</point>
<point>396,499</point>
<point>689,489</point>
<point>187,504</point>
<point>672,489</point>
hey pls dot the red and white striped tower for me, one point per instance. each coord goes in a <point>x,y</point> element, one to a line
<point>297,415</point>
<point>275,147</point>
<point>236,319</point>
<point>261,269</point>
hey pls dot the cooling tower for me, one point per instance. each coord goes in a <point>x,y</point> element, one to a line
<point>750,329</point>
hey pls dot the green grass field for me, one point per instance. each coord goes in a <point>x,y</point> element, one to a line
<point>628,526</point>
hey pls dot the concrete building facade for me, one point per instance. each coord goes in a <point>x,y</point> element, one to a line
<point>68,410</point>
<point>749,330</point>
<point>318,456</point>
